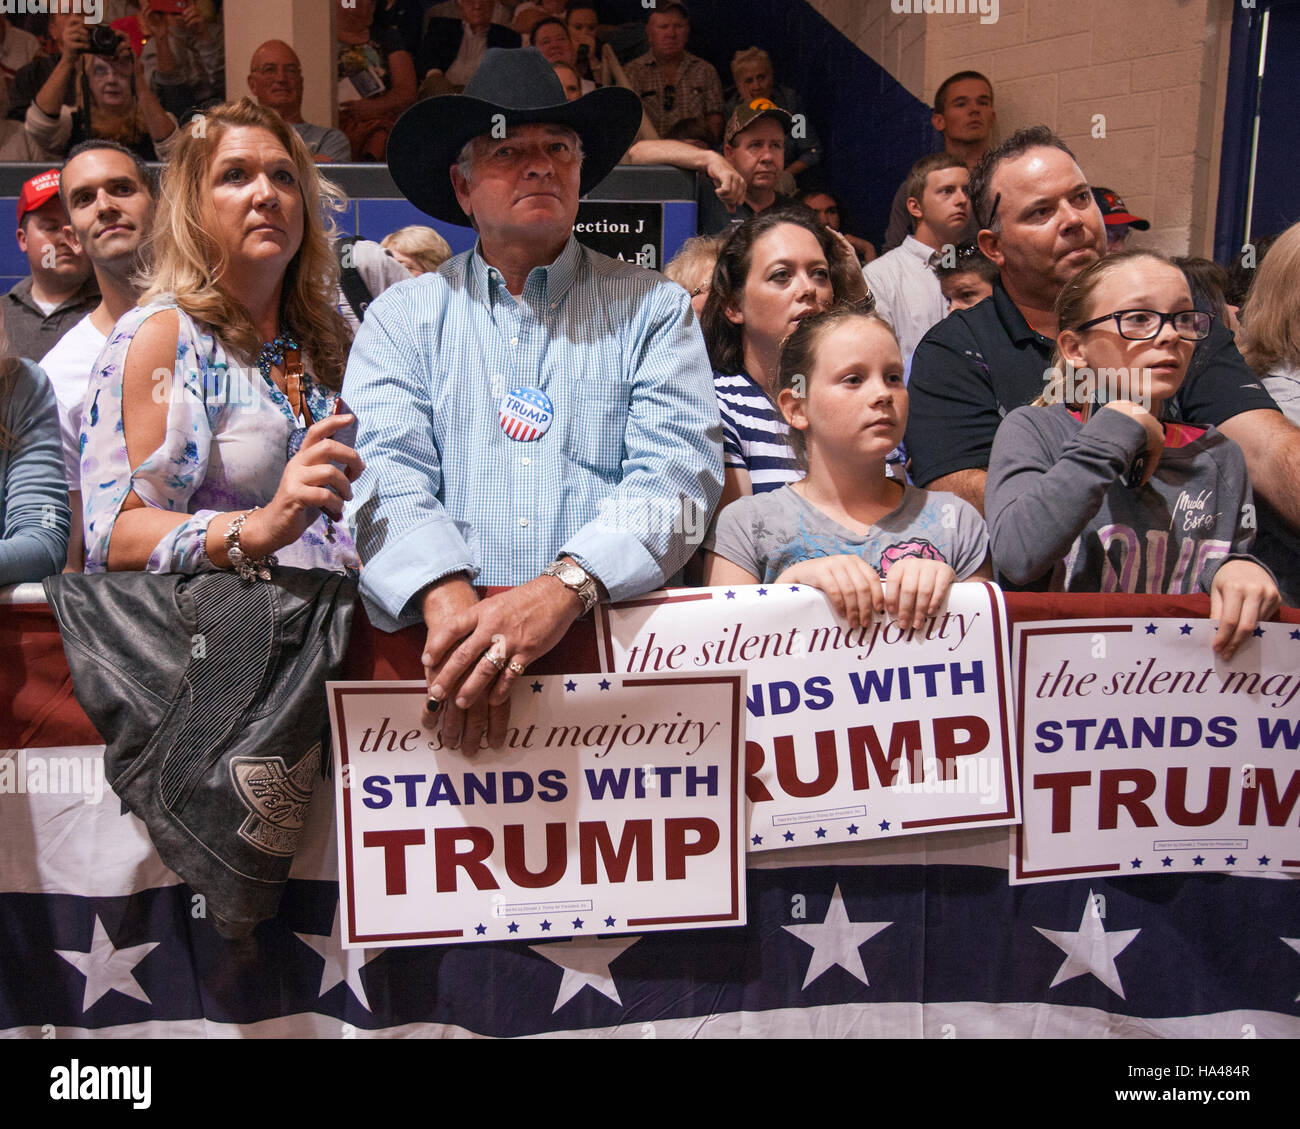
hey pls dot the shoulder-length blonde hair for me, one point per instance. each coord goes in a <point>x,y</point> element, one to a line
<point>419,243</point>
<point>189,261</point>
<point>1270,316</point>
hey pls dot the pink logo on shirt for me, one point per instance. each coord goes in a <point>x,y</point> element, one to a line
<point>905,549</point>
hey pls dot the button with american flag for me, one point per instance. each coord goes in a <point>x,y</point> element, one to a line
<point>526,414</point>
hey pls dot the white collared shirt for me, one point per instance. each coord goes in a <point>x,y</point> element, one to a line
<point>907,291</point>
<point>472,46</point>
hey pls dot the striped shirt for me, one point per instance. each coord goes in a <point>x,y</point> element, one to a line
<point>622,479</point>
<point>755,437</point>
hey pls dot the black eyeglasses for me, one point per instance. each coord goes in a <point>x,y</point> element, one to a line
<point>1143,325</point>
<point>994,211</point>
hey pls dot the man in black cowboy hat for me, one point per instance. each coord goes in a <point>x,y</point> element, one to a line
<point>535,414</point>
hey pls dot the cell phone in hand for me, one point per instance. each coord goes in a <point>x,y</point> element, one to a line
<point>345,435</point>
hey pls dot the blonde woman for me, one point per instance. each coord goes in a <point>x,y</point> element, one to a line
<point>418,248</point>
<point>1270,335</point>
<point>692,268</point>
<point>206,445</point>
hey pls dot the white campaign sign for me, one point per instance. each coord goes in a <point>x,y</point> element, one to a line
<point>1141,753</point>
<point>616,806</point>
<point>851,734</point>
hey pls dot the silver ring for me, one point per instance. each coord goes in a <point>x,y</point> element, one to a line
<point>496,662</point>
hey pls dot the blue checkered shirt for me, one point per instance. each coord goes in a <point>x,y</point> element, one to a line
<point>625,478</point>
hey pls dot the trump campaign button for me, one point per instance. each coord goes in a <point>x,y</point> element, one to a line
<point>526,414</point>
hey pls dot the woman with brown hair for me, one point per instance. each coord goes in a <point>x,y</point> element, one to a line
<point>208,423</point>
<point>775,269</point>
<point>34,517</point>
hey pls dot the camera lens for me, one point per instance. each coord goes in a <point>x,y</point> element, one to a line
<point>103,41</point>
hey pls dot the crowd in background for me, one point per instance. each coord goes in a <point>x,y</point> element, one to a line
<point>966,297</point>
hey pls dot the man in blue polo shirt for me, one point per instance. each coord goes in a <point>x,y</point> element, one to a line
<point>1041,226</point>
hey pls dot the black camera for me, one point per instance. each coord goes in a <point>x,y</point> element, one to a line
<point>103,41</point>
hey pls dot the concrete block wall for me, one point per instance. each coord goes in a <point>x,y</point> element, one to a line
<point>1155,72</point>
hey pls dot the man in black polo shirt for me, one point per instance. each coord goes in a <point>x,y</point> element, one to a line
<point>1041,226</point>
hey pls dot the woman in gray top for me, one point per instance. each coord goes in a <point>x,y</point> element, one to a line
<point>34,515</point>
<point>1109,499</point>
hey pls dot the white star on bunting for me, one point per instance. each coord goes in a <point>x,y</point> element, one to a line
<point>108,968</point>
<point>836,940</point>
<point>586,965</point>
<point>341,965</point>
<point>1091,949</point>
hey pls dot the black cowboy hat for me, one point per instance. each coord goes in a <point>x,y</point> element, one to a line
<point>521,85</point>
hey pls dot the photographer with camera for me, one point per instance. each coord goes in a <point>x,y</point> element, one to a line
<point>184,55</point>
<point>98,89</point>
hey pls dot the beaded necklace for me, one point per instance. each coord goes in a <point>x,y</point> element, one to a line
<point>272,353</point>
<point>284,351</point>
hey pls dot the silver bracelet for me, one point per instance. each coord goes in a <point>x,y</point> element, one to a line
<point>249,568</point>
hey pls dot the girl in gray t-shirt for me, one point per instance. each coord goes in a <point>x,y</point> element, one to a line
<point>847,526</point>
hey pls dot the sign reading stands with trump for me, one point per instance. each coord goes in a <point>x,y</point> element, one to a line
<point>616,805</point>
<point>852,734</point>
<point>1142,752</point>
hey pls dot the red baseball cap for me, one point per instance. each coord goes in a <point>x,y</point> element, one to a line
<point>1114,211</point>
<point>42,187</point>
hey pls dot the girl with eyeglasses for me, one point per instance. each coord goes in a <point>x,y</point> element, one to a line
<point>1095,488</point>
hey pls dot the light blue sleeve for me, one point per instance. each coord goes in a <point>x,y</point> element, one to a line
<point>406,539</point>
<point>36,517</point>
<point>653,520</point>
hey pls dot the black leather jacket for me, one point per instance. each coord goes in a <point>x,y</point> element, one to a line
<point>210,694</point>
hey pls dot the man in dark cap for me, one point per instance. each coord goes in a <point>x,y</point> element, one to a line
<point>754,144</point>
<point>1118,219</point>
<point>534,414</point>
